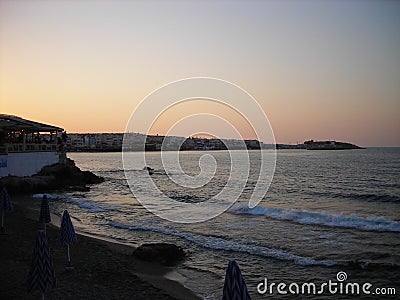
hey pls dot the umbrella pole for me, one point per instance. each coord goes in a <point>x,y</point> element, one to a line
<point>69,258</point>
<point>2,221</point>
<point>42,296</point>
<point>44,228</point>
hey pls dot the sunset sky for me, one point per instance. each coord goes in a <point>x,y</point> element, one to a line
<point>319,69</point>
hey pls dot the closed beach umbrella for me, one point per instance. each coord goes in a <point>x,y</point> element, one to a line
<point>234,286</point>
<point>41,274</point>
<point>5,205</point>
<point>66,235</point>
<point>44,212</point>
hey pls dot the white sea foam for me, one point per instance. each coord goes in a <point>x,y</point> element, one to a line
<point>49,196</point>
<point>217,243</point>
<point>91,206</point>
<point>315,218</point>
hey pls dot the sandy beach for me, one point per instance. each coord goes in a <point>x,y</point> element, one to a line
<point>102,269</point>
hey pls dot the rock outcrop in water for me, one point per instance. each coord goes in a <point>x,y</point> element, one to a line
<point>162,253</point>
<point>54,177</point>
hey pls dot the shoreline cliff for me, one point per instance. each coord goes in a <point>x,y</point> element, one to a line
<point>53,177</point>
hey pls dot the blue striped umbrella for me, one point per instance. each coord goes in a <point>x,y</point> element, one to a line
<point>66,235</point>
<point>5,205</point>
<point>234,286</point>
<point>41,274</point>
<point>44,212</point>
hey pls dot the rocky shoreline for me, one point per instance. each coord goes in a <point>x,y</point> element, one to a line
<point>54,177</point>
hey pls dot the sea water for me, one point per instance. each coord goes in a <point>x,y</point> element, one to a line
<point>325,212</point>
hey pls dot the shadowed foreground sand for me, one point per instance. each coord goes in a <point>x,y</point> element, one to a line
<point>101,271</point>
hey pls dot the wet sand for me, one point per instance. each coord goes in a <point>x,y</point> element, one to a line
<point>102,269</point>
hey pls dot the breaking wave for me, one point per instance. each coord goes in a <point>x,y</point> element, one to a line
<point>315,218</point>
<point>217,243</point>
<point>90,206</point>
<point>49,196</point>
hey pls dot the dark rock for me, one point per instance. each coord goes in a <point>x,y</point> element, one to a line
<point>78,188</point>
<point>23,185</point>
<point>91,178</point>
<point>150,170</point>
<point>54,177</point>
<point>162,253</point>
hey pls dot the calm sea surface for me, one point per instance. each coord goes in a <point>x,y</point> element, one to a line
<point>325,212</point>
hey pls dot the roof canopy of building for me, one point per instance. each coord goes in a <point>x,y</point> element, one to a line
<point>14,123</point>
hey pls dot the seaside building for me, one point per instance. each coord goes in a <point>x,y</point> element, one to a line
<point>94,141</point>
<point>112,140</point>
<point>134,141</point>
<point>75,142</point>
<point>172,143</point>
<point>27,146</point>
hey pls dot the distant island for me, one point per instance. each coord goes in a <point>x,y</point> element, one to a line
<point>330,145</point>
<point>113,142</point>
<point>320,145</point>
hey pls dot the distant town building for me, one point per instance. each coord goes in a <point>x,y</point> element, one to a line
<point>94,141</point>
<point>135,142</point>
